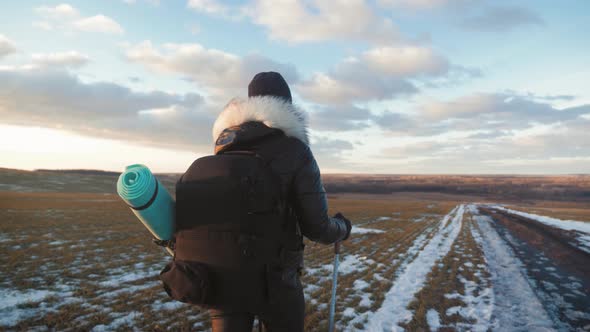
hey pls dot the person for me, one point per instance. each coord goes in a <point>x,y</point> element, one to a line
<point>270,125</point>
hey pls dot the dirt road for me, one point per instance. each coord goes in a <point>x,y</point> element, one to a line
<point>557,270</point>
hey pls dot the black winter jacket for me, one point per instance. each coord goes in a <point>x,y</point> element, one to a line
<point>268,124</point>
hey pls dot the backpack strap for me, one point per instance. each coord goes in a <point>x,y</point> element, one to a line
<point>291,236</point>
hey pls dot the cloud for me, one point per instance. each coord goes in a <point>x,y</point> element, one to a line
<point>57,99</point>
<point>464,106</point>
<point>431,149</point>
<point>501,19</point>
<point>151,2</point>
<point>498,109</point>
<point>330,152</point>
<point>66,17</point>
<point>7,46</point>
<point>405,61</point>
<point>322,144</point>
<point>567,139</point>
<point>320,20</point>
<point>347,118</point>
<point>474,15</point>
<point>71,59</point>
<point>340,118</point>
<point>208,6</point>
<point>98,23</point>
<point>420,4</point>
<point>62,11</point>
<point>221,74</point>
<point>392,121</point>
<point>43,25</point>
<point>562,147</point>
<point>379,73</point>
<point>216,8</point>
<point>335,89</point>
<point>486,116</point>
<point>487,133</point>
<point>544,98</point>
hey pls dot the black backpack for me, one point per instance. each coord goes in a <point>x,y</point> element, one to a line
<point>233,227</point>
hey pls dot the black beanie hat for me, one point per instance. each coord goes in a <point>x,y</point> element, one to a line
<point>269,84</point>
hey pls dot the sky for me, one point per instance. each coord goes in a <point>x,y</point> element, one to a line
<point>388,86</point>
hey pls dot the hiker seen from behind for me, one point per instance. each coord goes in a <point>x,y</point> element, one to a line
<point>242,213</point>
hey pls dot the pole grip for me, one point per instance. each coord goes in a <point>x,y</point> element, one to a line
<point>337,247</point>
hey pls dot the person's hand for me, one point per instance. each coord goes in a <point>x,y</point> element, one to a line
<point>165,243</point>
<point>347,222</point>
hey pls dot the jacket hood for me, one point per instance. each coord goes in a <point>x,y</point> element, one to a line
<point>271,111</point>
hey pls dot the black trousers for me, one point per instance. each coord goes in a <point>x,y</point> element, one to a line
<point>284,316</point>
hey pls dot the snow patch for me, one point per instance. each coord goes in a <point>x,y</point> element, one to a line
<point>433,319</point>
<point>171,305</point>
<point>4,238</point>
<point>362,230</point>
<point>116,280</point>
<point>366,300</point>
<point>126,320</point>
<point>349,312</point>
<point>581,229</point>
<point>411,253</point>
<point>351,263</point>
<point>411,280</point>
<point>360,285</point>
<point>13,306</point>
<point>516,307</point>
<point>12,298</point>
<point>347,264</point>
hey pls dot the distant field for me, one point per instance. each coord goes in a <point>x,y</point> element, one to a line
<point>564,188</point>
<point>498,187</point>
<point>419,261</point>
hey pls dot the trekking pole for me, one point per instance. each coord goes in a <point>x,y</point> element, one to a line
<point>334,286</point>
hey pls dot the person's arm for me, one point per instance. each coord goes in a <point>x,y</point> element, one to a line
<point>311,205</point>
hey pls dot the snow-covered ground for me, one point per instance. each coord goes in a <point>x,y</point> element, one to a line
<point>13,304</point>
<point>499,297</point>
<point>515,307</point>
<point>433,320</point>
<point>17,305</point>
<point>347,264</point>
<point>362,230</point>
<point>581,229</point>
<point>411,279</point>
<point>383,279</point>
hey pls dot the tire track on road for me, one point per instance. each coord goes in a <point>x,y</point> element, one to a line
<point>558,272</point>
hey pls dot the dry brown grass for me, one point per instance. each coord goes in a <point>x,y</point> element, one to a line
<point>387,250</point>
<point>76,241</point>
<point>444,280</point>
<point>68,244</point>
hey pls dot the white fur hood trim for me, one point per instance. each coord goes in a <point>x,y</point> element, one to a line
<point>272,111</point>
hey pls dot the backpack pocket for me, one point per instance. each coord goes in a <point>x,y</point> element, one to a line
<point>284,279</point>
<point>187,281</point>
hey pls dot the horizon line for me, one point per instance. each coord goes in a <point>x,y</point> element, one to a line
<point>323,173</point>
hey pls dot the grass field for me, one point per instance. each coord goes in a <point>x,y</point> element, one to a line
<point>77,261</point>
<point>82,261</point>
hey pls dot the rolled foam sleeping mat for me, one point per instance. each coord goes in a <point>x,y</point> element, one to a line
<point>148,199</point>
